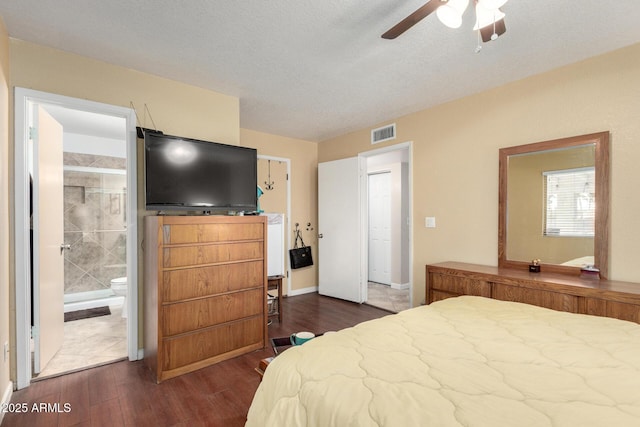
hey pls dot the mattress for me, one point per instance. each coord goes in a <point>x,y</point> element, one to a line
<point>465,361</point>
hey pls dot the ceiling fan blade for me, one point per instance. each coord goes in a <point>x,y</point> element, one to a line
<point>488,31</point>
<point>413,19</point>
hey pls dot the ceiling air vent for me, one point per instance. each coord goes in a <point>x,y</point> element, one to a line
<point>384,133</point>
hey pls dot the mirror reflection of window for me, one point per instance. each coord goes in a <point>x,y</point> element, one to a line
<point>570,202</point>
<point>535,225</point>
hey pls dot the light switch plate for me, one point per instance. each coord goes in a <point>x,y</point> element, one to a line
<point>430,222</point>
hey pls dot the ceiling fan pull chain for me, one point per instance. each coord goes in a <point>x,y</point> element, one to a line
<point>494,35</point>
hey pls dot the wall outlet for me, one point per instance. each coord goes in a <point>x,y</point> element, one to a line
<point>430,222</point>
<point>6,351</point>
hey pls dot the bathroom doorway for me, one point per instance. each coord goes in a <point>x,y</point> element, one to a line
<point>95,300</point>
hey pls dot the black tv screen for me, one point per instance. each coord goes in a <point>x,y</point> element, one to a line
<point>189,174</point>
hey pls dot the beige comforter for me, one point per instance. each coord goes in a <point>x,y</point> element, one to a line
<point>466,361</point>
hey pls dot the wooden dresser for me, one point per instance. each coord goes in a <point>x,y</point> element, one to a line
<point>205,290</point>
<point>559,292</point>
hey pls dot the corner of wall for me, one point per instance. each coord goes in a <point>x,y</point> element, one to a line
<point>6,399</point>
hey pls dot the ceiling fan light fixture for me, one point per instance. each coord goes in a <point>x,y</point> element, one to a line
<point>486,17</point>
<point>492,4</point>
<point>450,14</point>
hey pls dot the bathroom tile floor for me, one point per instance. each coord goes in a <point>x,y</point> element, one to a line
<point>387,298</point>
<point>90,342</point>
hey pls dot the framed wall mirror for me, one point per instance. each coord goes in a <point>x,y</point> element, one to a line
<point>554,204</point>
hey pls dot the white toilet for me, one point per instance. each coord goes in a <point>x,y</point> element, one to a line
<point>119,287</point>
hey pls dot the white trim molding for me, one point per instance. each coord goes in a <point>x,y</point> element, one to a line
<point>400,286</point>
<point>309,290</point>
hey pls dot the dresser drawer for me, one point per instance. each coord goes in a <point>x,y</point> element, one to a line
<point>215,279</point>
<point>201,313</point>
<point>199,346</point>
<point>187,256</point>
<point>459,285</point>
<point>439,296</point>
<point>211,233</point>
<point>553,300</point>
<point>615,309</point>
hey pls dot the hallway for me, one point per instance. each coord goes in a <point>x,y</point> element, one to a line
<point>387,298</point>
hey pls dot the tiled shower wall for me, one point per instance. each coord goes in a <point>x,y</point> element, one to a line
<point>94,223</point>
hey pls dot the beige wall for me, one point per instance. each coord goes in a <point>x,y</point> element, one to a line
<point>304,191</point>
<point>176,108</point>
<point>4,210</point>
<point>455,156</point>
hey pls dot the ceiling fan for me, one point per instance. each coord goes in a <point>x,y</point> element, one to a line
<point>489,17</point>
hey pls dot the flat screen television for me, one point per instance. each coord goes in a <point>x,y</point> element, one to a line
<point>189,174</point>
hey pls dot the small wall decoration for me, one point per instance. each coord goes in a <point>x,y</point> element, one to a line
<point>268,184</point>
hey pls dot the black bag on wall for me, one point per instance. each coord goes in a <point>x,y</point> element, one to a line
<point>300,256</point>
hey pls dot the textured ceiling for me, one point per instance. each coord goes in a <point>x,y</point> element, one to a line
<point>317,69</point>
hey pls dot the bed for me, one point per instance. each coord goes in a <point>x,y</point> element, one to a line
<point>464,361</point>
<point>580,262</point>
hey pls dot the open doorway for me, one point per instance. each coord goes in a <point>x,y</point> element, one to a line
<point>80,182</point>
<point>388,219</point>
<point>343,218</point>
<point>275,202</point>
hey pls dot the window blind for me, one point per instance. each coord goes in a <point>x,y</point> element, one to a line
<point>570,204</point>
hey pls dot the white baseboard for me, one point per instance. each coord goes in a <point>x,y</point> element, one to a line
<point>400,286</point>
<point>6,399</point>
<point>83,305</point>
<point>302,291</point>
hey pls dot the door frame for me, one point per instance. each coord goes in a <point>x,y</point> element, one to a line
<point>364,211</point>
<point>288,279</point>
<point>22,98</point>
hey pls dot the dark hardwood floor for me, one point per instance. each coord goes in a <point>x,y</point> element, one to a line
<point>123,393</point>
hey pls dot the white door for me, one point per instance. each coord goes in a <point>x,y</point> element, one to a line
<point>339,230</point>
<point>48,257</point>
<point>380,228</point>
